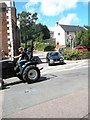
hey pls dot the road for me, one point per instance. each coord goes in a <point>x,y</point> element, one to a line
<point>62,92</point>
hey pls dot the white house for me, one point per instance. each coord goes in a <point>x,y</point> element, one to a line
<point>64,34</point>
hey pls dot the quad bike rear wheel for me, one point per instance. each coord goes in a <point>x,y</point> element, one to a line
<point>31,74</point>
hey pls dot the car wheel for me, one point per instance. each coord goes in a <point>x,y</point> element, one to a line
<point>47,60</point>
<point>1,84</point>
<point>31,74</point>
<point>49,64</point>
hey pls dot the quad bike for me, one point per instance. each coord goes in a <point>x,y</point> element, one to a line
<point>27,71</point>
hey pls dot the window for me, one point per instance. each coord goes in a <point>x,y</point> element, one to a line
<point>58,33</point>
<point>8,28</point>
<point>67,33</point>
<point>8,33</point>
<point>7,22</point>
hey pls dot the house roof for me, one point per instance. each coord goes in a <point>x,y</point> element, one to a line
<point>71,28</point>
<point>87,27</point>
<point>3,5</point>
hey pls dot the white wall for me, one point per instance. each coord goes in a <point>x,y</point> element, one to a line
<point>18,23</point>
<point>10,36</point>
<point>59,38</point>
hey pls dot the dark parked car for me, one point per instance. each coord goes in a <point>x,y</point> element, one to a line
<point>54,58</point>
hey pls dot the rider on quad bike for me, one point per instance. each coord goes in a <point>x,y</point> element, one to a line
<point>22,58</point>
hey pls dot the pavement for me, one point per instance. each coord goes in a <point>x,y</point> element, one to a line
<point>74,105</point>
<point>1,102</point>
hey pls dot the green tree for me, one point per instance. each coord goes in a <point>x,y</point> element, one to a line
<point>81,38</point>
<point>46,32</point>
<point>42,30</point>
<point>27,24</point>
<point>31,30</point>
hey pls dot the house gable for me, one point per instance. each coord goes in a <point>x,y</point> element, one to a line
<point>66,33</point>
<point>59,35</point>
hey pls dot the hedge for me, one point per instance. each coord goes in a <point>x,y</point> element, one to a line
<point>71,54</point>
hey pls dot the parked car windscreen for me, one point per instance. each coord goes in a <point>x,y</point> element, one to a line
<point>54,54</point>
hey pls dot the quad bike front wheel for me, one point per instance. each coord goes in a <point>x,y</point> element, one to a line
<point>1,84</point>
<point>31,74</point>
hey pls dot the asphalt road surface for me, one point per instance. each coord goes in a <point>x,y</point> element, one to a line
<point>62,92</point>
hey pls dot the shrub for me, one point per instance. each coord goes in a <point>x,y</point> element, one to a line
<point>23,45</point>
<point>49,48</point>
<point>71,54</point>
<point>40,46</point>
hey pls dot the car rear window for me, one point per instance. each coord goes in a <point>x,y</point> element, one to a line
<point>55,54</point>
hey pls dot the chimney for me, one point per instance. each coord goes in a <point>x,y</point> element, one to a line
<point>13,3</point>
<point>57,23</point>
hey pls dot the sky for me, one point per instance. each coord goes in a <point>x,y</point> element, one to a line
<point>66,12</point>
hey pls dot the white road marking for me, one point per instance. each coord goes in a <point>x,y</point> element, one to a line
<point>51,69</point>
